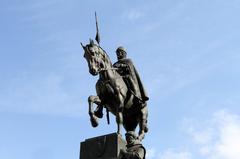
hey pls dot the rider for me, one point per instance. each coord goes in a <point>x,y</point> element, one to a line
<point>135,149</point>
<point>126,69</point>
<point>130,75</point>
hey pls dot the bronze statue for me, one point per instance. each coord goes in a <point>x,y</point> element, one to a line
<point>135,149</point>
<point>113,93</point>
<point>119,89</point>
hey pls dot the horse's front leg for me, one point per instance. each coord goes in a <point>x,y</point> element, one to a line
<point>93,118</point>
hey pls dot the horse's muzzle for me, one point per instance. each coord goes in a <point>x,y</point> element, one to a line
<point>93,72</point>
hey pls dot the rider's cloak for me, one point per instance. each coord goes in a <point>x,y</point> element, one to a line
<point>131,77</point>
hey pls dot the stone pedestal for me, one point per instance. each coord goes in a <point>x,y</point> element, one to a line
<point>102,147</point>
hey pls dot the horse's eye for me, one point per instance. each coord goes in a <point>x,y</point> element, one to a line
<point>91,53</point>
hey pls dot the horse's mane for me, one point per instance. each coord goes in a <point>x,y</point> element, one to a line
<point>105,55</point>
<point>101,51</point>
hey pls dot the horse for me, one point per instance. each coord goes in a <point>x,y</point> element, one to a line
<point>112,93</point>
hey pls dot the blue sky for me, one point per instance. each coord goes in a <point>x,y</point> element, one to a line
<point>187,53</point>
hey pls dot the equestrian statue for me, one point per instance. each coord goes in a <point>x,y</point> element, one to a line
<point>119,89</point>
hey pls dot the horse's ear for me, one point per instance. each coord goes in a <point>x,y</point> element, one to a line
<point>83,46</point>
<point>91,42</point>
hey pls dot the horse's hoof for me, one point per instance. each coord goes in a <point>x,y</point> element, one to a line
<point>94,121</point>
<point>146,129</point>
<point>98,114</point>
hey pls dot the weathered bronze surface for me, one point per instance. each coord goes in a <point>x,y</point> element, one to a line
<point>120,91</point>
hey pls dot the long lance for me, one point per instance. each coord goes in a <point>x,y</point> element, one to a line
<point>97,38</point>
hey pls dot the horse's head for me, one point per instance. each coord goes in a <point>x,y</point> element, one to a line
<point>96,57</point>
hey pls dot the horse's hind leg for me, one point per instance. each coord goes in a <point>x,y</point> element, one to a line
<point>98,112</point>
<point>93,118</point>
<point>119,120</point>
<point>143,128</point>
<point>119,110</point>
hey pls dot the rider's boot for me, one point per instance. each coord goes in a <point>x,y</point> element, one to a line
<point>94,121</point>
<point>145,125</point>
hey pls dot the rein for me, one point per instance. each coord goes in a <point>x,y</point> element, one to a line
<point>105,81</point>
<point>105,69</point>
<point>109,80</point>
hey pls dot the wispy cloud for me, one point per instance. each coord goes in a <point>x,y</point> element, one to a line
<point>218,137</point>
<point>168,154</point>
<point>44,84</point>
<point>44,94</point>
<point>171,154</point>
<point>33,5</point>
<point>171,14</point>
<point>151,153</point>
<point>133,14</point>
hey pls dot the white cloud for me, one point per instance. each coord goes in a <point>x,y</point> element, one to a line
<point>218,137</point>
<point>153,153</point>
<point>228,146</point>
<point>170,154</point>
<point>134,14</point>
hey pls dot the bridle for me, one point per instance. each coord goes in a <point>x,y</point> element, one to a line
<point>106,69</point>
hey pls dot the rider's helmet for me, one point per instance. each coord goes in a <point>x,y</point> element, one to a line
<point>121,52</point>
